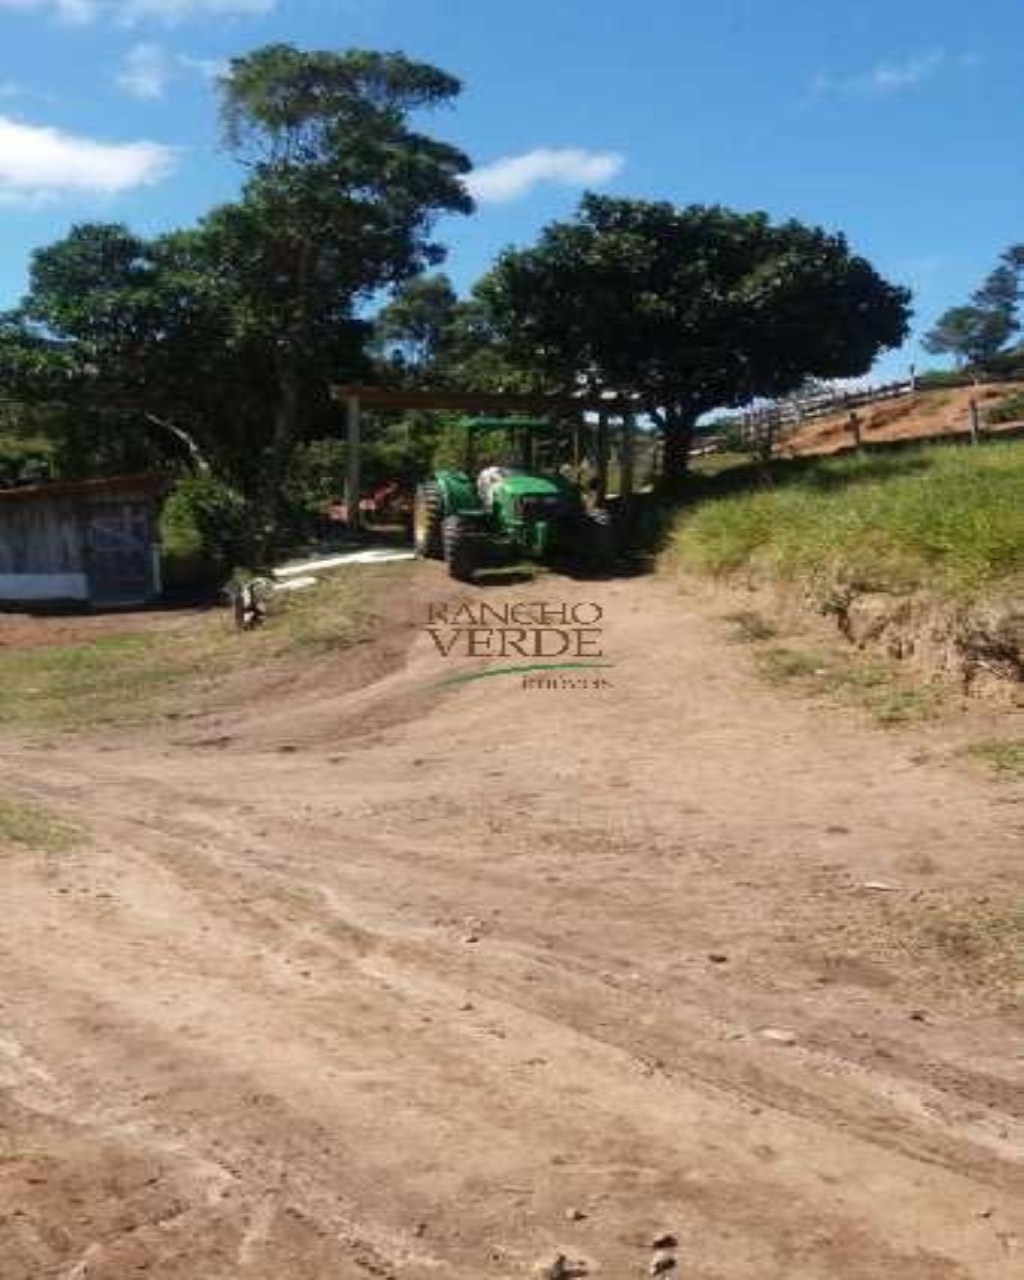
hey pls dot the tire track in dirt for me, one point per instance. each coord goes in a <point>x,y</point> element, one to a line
<point>418,992</point>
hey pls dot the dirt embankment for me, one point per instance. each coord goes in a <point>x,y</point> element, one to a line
<point>976,649</point>
<point>358,979</point>
<point>926,415</point>
<point>980,648</point>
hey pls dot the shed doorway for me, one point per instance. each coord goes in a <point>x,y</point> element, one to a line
<point>119,554</point>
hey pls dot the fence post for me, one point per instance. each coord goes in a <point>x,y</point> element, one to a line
<point>602,458</point>
<point>975,422</point>
<point>767,441</point>
<point>855,428</point>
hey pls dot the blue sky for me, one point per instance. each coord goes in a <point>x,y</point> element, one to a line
<point>896,123</point>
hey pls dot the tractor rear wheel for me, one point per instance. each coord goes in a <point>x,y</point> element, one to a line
<point>463,547</point>
<point>597,536</point>
<point>427,519</point>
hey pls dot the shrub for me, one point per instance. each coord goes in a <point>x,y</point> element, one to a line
<point>204,530</point>
<point>1009,409</point>
<point>937,379</point>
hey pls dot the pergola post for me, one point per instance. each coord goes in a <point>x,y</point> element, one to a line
<point>627,455</point>
<point>353,462</point>
<point>602,457</point>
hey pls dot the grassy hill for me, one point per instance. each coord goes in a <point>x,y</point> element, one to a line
<point>947,519</point>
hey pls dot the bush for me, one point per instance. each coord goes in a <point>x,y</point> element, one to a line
<point>939,379</point>
<point>204,529</point>
<point>1006,364</point>
<point>1010,409</point>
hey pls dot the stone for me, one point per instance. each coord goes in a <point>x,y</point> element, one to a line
<point>778,1035</point>
<point>560,1268</point>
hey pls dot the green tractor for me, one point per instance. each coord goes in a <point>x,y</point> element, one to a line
<point>505,514</point>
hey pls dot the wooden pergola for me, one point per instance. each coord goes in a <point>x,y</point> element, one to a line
<point>357,397</point>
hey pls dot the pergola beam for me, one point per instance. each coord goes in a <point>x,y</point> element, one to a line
<point>356,397</point>
<point>479,401</point>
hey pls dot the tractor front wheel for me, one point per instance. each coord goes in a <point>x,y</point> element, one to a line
<point>427,519</point>
<point>463,548</point>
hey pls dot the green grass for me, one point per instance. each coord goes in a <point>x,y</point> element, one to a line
<point>121,680</point>
<point>749,626</point>
<point>1005,755</point>
<point>779,666</point>
<point>947,518</point>
<point>906,705</point>
<point>877,688</point>
<point>713,464</point>
<point>27,826</point>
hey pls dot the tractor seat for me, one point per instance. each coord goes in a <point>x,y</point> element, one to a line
<point>489,479</point>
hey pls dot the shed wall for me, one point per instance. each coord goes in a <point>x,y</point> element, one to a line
<point>40,537</point>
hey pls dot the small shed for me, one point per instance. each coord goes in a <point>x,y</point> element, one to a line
<point>90,542</point>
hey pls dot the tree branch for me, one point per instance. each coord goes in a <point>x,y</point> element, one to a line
<point>199,459</point>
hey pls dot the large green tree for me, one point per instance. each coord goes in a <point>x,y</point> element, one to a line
<point>689,309</point>
<point>225,336</point>
<point>341,201</point>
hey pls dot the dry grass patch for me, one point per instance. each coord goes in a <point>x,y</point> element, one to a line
<point>1004,755</point>
<point>123,680</point>
<point>29,826</point>
<point>878,688</point>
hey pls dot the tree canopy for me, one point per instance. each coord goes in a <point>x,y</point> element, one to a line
<point>973,334</point>
<point>689,309</point>
<point>225,336</point>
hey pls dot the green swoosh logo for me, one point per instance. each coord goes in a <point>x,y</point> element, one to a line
<point>466,677</point>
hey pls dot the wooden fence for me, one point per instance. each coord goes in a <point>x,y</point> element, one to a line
<point>763,427</point>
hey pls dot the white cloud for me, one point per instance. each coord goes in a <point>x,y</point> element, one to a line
<point>210,68</point>
<point>171,12</point>
<point>131,13</point>
<point>148,69</point>
<point>516,176</point>
<point>146,72</point>
<point>75,12</point>
<point>887,78</point>
<point>41,163</point>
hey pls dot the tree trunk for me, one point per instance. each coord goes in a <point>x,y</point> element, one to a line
<point>270,507</point>
<point>678,425</point>
<point>271,514</point>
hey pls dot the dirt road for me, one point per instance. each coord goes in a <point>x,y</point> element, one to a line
<point>410,982</point>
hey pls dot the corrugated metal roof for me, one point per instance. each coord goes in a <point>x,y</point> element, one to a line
<point>84,488</point>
